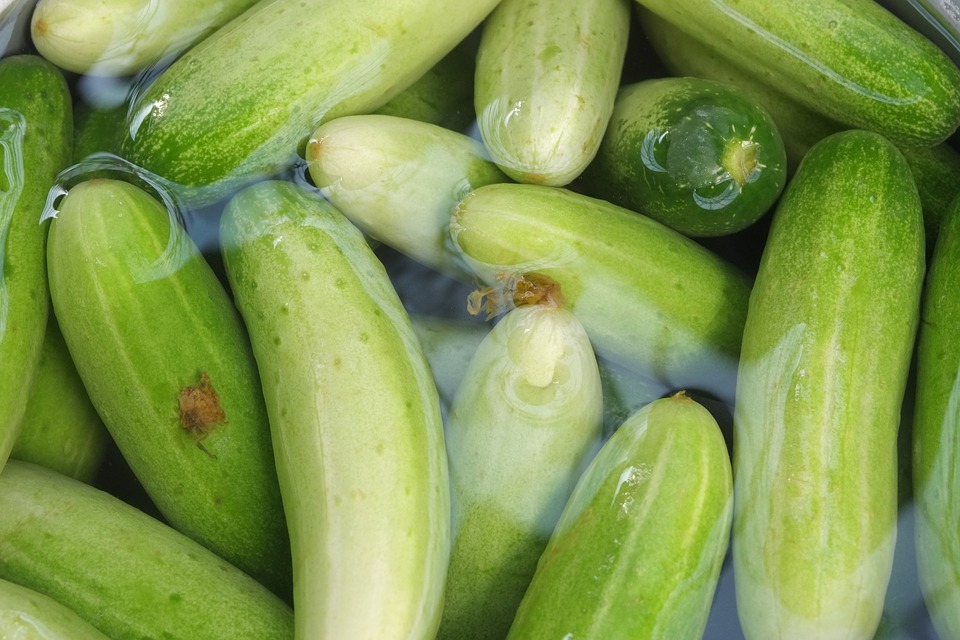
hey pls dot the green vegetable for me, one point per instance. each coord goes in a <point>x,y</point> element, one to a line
<point>28,615</point>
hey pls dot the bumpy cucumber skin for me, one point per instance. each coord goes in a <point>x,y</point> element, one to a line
<point>126,573</point>
<point>36,129</point>
<point>28,615</point>
<point>851,60</point>
<point>237,105</point>
<point>354,414</point>
<point>546,78</point>
<point>674,150</point>
<point>650,298</point>
<point>826,352</point>
<point>524,422</point>
<point>638,550</point>
<point>124,274</point>
<point>936,429</point>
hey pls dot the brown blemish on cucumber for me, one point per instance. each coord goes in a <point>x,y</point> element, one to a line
<point>515,291</point>
<point>200,410</point>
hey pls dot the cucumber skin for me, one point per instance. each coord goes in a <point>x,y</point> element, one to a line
<point>129,575</point>
<point>28,615</point>
<point>276,72</point>
<point>38,92</point>
<point>638,550</point>
<point>546,78</point>
<point>327,326</point>
<point>115,280</point>
<point>826,352</point>
<point>851,60</point>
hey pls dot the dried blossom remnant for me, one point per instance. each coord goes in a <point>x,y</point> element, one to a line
<point>515,291</point>
<point>200,410</point>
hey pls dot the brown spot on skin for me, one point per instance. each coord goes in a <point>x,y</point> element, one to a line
<point>515,291</point>
<point>200,410</point>
<point>40,27</point>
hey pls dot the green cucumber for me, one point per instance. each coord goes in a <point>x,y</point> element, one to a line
<point>826,351</point>
<point>354,414</point>
<point>126,573</point>
<point>935,434</point>
<point>178,388</point>
<point>35,144</point>
<point>97,129</point>
<point>123,37</point>
<point>650,298</point>
<point>546,77</point>
<point>936,170</point>
<point>449,345</point>
<point>274,74</point>
<point>399,181</point>
<point>525,421</point>
<point>28,615</point>
<point>850,60</point>
<point>638,550</point>
<point>691,153</point>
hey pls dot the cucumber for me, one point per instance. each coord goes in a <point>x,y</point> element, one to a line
<point>826,352</point>
<point>126,573</point>
<point>35,144</point>
<point>525,421</point>
<point>850,60</point>
<point>651,299</point>
<point>638,550</point>
<point>354,414</point>
<point>691,153</point>
<point>399,181</point>
<point>178,388</point>
<point>121,38</point>
<point>547,74</point>
<point>936,170</point>
<point>935,434</point>
<point>28,615</point>
<point>449,345</point>
<point>236,106</point>
<point>97,129</point>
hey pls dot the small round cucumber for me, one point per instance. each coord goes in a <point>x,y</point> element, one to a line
<point>28,615</point>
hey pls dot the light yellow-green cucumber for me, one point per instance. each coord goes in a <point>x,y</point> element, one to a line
<point>61,428</point>
<point>449,344</point>
<point>237,106</point>
<point>850,60</point>
<point>120,38</point>
<point>826,351</point>
<point>166,361</point>
<point>354,414</point>
<point>126,573</point>
<point>638,550</point>
<point>650,298</point>
<point>547,74</point>
<point>36,129</point>
<point>524,423</point>
<point>399,181</point>
<point>28,615</point>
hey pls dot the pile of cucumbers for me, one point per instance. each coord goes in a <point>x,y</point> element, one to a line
<point>499,319</point>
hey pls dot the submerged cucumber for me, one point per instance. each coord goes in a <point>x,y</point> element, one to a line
<point>26,614</point>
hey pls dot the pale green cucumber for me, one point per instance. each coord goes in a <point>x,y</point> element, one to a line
<point>354,414</point>
<point>122,37</point>
<point>546,78</point>
<point>524,423</point>
<point>650,298</point>
<point>28,615</point>
<point>35,144</point>
<point>126,573</point>
<point>449,345</point>
<point>399,181</point>
<point>164,356</point>
<point>61,428</point>
<point>638,550</point>
<point>823,369</point>
<point>850,60</point>
<point>236,106</point>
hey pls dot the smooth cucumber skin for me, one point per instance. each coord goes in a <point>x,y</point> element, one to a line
<point>124,274</point>
<point>694,154</point>
<point>28,615</point>
<point>354,414</point>
<point>851,60</point>
<point>126,573</point>
<point>546,78</point>
<point>237,105</point>
<point>525,421</point>
<point>36,129</point>
<point>936,430</point>
<point>826,351</point>
<point>638,550</point>
<point>650,298</point>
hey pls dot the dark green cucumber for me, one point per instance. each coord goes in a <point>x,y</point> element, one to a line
<point>826,351</point>
<point>97,129</point>
<point>178,387</point>
<point>691,153</point>
<point>36,130</point>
